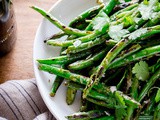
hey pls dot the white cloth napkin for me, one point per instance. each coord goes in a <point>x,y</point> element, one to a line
<point>21,100</point>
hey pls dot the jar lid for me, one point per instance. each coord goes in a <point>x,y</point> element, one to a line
<point>4,10</point>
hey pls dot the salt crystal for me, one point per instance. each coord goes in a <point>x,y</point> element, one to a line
<point>113,88</point>
<point>77,43</point>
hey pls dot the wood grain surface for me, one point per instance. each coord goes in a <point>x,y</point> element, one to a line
<point>18,63</point>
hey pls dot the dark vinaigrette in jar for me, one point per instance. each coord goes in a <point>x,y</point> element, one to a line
<point>7,27</point>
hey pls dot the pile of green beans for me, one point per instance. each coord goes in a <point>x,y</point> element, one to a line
<point>111,54</point>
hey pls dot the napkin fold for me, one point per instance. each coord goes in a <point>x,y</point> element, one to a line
<point>21,100</point>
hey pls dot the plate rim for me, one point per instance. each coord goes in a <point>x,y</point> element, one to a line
<point>34,60</point>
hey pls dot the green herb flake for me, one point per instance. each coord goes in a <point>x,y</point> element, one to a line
<point>141,70</point>
<point>101,21</point>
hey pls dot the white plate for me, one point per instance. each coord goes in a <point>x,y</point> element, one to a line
<point>65,11</point>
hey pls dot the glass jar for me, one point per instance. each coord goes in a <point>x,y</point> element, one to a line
<point>7,27</point>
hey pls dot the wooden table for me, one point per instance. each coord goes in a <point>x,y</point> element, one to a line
<point>18,63</point>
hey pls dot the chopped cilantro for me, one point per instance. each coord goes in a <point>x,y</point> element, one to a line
<point>101,22</point>
<point>118,29</point>
<point>147,9</point>
<point>141,70</point>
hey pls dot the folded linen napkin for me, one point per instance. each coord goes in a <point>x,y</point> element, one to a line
<point>21,100</point>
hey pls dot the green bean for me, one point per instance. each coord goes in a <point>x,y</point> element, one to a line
<point>75,85</point>
<point>144,53</point>
<point>70,95</point>
<point>85,46</point>
<point>110,5</point>
<point>88,14</point>
<point>121,15</point>
<point>86,115</point>
<point>130,50</point>
<point>56,36</point>
<point>71,42</point>
<point>65,59</point>
<point>67,30</point>
<point>78,65</point>
<point>72,37</point>
<point>113,17</point>
<point>57,82</point>
<point>111,42</point>
<point>85,105</point>
<point>98,102</point>
<point>122,6</point>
